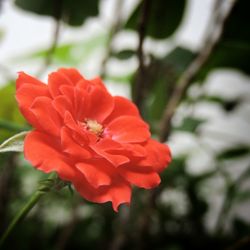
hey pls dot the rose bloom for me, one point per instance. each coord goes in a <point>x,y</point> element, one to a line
<point>96,141</point>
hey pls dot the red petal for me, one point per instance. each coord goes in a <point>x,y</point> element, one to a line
<point>118,192</point>
<point>95,172</point>
<point>62,77</point>
<point>62,104</point>
<point>141,179</point>
<point>56,80</point>
<point>122,107</point>
<point>71,147</point>
<point>98,82</point>
<point>27,79</point>
<point>100,105</point>
<point>25,96</point>
<point>68,91</point>
<point>81,103</point>
<point>72,74</point>
<point>135,150</point>
<point>105,145</point>
<point>128,129</point>
<point>71,124</point>
<point>158,155</point>
<point>47,117</point>
<point>43,152</point>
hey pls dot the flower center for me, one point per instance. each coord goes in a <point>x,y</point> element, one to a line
<point>94,127</point>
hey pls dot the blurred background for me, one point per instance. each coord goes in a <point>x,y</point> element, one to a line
<point>185,63</point>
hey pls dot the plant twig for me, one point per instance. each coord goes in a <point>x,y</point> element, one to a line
<point>139,88</point>
<point>214,34</point>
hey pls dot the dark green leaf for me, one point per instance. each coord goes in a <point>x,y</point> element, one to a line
<point>190,124</point>
<point>164,73</point>
<point>163,20</point>
<point>72,12</point>
<point>178,59</point>
<point>238,151</point>
<point>228,105</point>
<point>124,54</point>
<point>227,55</point>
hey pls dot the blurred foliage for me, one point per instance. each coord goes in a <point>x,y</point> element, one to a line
<point>11,121</point>
<point>233,51</point>
<point>177,217</point>
<point>72,12</point>
<point>163,19</point>
<point>163,74</point>
<point>70,54</point>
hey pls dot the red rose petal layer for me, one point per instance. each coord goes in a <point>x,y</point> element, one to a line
<point>90,138</point>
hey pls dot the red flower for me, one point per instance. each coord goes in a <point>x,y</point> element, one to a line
<point>90,138</point>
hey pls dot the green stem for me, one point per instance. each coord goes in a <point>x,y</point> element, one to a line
<point>44,187</point>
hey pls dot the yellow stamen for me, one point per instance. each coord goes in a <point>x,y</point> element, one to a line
<point>94,127</point>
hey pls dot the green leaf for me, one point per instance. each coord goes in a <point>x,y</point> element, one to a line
<point>124,54</point>
<point>164,74</point>
<point>14,144</point>
<point>72,12</point>
<point>121,79</point>
<point>228,105</point>
<point>234,153</point>
<point>190,124</point>
<point>178,59</point>
<point>11,119</point>
<point>163,19</point>
<point>227,55</point>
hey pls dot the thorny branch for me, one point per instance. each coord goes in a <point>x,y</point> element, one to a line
<point>214,33</point>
